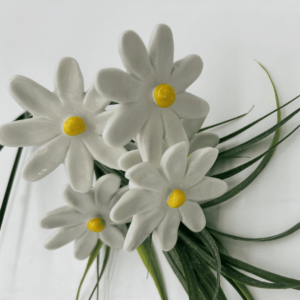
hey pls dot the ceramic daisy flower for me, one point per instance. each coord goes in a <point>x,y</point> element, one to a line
<point>67,127</point>
<point>152,94</point>
<point>86,218</point>
<point>161,198</point>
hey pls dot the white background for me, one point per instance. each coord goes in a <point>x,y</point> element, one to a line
<point>229,36</point>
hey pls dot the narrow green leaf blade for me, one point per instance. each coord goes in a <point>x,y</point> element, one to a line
<point>236,286</point>
<point>227,121</point>
<point>148,257</point>
<point>241,186</point>
<point>91,259</point>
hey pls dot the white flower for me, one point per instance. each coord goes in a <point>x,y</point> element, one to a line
<point>162,197</point>
<point>66,126</point>
<point>86,218</point>
<point>151,95</point>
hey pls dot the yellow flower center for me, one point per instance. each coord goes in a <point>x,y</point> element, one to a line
<point>176,199</point>
<point>96,224</point>
<point>164,95</point>
<point>74,126</point>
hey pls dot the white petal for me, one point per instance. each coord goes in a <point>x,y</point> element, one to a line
<point>192,216</point>
<point>79,166</point>
<point>83,202</point>
<point>174,131</point>
<point>64,236</point>
<point>105,188</point>
<point>161,52</point>
<point>34,98</point>
<point>112,236</point>
<point>189,106</point>
<point>124,124</point>
<point>46,159</point>
<point>64,216</point>
<point>95,102</point>
<point>118,195</point>
<point>118,86</point>
<point>134,55</point>
<point>166,232</point>
<point>84,245</point>
<point>131,146</point>
<point>69,81</point>
<point>185,72</point>
<point>203,140</point>
<point>198,164</point>
<point>149,138</point>
<point>130,159</point>
<point>141,227</point>
<point>173,162</point>
<point>106,155</point>
<point>28,132</point>
<point>100,121</point>
<point>208,188</point>
<point>135,201</point>
<point>146,175</point>
<point>191,127</point>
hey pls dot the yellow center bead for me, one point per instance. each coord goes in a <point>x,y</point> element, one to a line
<point>74,126</point>
<point>96,224</point>
<point>164,95</point>
<point>176,199</point>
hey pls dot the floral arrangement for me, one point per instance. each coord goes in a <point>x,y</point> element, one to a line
<point>139,133</point>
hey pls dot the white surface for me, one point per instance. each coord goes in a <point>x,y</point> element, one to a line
<point>228,35</point>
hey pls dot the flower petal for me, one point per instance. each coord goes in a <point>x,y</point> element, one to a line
<point>79,166</point>
<point>118,86</point>
<point>28,132</point>
<point>208,188</point>
<point>100,121</point>
<point>161,52</point>
<point>198,164</point>
<point>112,236</point>
<point>108,156</point>
<point>135,56</point>
<point>141,227</point>
<point>191,126</point>
<point>189,106</point>
<point>83,202</point>
<point>34,98</point>
<point>124,124</point>
<point>135,201</point>
<point>105,188</point>
<point>118,195</point>
<point>64,216</point>
<point>130,159</point>
<point>174,131</point>
<point>69,81</point>
<point>185,72</point>
<point>192,216</point>
<point>84,245</point>
<point>95,102</point>
<point>46,159</point>
<point>166,232</point>
<point>150,137</point>
<point>145,175</point>
<point>64,236</point>
<point>173,162</point>
<point>203,140</point>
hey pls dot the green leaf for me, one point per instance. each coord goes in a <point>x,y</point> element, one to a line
<point>224,122</point>
<point>106,257</point>
<point>238,287</point>
<point>241,186</point>
<point>243,288</point>
<point>9,185</point>
<point>246,165</point>
<point>209,242</point>
<point>230,136</point>
<point>190,278</point>
<point>148,257</point>
<point>91,259</point>
<point>265,239</point>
